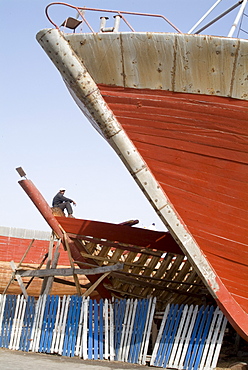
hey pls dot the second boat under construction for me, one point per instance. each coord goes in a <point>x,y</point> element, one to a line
<point>174,107</point>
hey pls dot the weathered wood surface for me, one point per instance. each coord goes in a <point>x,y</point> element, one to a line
<point>69,271</point>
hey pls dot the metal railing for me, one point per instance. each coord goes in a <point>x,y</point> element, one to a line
<point>81,14</point>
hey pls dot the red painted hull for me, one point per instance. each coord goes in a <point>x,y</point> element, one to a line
<point>196,147</point>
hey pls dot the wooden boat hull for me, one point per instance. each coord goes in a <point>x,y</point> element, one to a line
<point>13,245</point>
<point>175,109</point>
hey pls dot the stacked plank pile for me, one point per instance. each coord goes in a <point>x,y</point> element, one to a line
<point>189,337</point>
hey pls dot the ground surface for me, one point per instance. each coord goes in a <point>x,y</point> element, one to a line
<point>18,360</point>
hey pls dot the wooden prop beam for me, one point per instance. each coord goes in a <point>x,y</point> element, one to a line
<point>19,279</point>
<point>69,271</point>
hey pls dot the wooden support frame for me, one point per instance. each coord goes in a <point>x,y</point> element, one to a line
<point>75,277</point>
<point>52,264</point>
<point>16,267</point>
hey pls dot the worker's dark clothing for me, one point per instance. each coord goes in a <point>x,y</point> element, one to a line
<point>62,202</point>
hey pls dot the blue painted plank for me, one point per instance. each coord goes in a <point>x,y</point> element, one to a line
<point>201,338</point>
<point>95,330</point>
<point>75,324</point>
<point>27,324</point>
<point>168,329</point>
<point>47,319</point>
<point>44,324</point>
<point>193,336</point>
<point>136,328</point>
<point>67,327</point>
<point>90,333</point>
<point>119,307</point>
<point>101,329</point>
<point>70,325</point>
<point>9,312</point>
<point>162,339</point>
<point>140,331</point>
<point>30,321</point>
<point>173,334</point>
<point>54,309</point>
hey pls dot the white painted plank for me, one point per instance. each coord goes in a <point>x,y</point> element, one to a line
<point>128,313</point>
<point>106,347</point>
<point>219,343</point>
<point>124,329</point>
<point>179,337</point>
<point>213,342</point>
<point>13,331</point>
<point>56,327</point>
<point>147,331</point>
<point>160,333</point>
<point>187,338</point>
<point>23,304</point>
<point>84,347</point>
<point>132,311</point>
<point>209,338</point>
<point>111,332</point>
<point>80,329</point>
<point>35,324</point>
<point>63,326</point>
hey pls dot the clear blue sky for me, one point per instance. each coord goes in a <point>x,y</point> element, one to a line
<point>43,130</point>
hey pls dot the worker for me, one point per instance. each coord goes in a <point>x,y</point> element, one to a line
<point>62,202</point>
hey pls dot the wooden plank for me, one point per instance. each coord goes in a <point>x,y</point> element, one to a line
<point>119,313</point>
<point>75,277</point>
<point>69,271</point>
<point>173,333</point>
<point>19,279</point>
<point>14,327</point>
<point>119,354</point>
<point>96,283</point>
<point>56,327</point>
<point>85,344</point>
<point>124,330</point>
<point>90,333</point>
<point>147,331</point>
<point>63,325</point>
<point>51,328</point>
<point>48,265</point>
<point>140,329</point>
<point>219,341</point>
<point>33,332</point>
<point>49,282</point>
<point>202,338</point>
<point>101,329</point>
<point>96,327</point>
<point>111,333</point>
<point>106,326</point>
<point>194,335</point>
<point>80,330</point>
<point>176,346</point>
<point>132,310</point>
<point>76,325</point>
<point>28,321</point>
<point>209,361</point>
<point>188,330</point>
<point>20,319</point>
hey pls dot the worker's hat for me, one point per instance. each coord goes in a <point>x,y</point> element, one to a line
<point>61,189</point>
